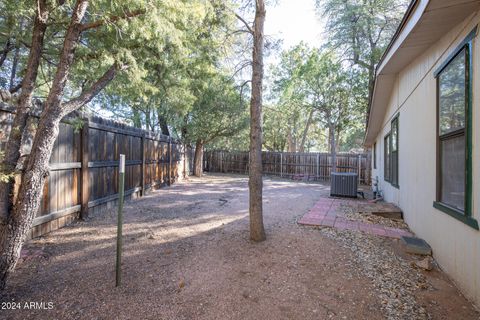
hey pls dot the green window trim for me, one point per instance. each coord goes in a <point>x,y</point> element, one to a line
<point>457,214</point>
<point>386,157</point>
<point>467,41</point>
<point>375,155</point>
<point>394,165</point>
<point>391,157</point>
<point>463,216</point>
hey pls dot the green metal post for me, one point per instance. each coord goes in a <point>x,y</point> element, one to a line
<point>121,187</point>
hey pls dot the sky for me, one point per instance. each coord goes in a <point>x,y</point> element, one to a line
<point>294,21</point>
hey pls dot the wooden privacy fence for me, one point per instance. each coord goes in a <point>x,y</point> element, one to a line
<point>83,175</point>
<point>301,166</point>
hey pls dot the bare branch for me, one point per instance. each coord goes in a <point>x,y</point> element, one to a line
<point>250,30</point>
<point>239,67</point>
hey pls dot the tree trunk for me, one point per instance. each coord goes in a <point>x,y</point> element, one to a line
<point>137,121</point>
<point>291,143</point>
<point>29,196</point>
<point>257,231</point>
<point>305,132</point>
<point>12,148</point>
<point>163,125</point>
<point>27,202</point>
<point>371,85</point>
<point>333,147</point>
<point>13,73</point>
<point>198,159</point>
<point>148,120</point>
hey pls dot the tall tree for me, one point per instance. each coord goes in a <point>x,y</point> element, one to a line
<point>257,230</point>
<point>287,91</point>
<point>255,31</point>
<point>12,149</point>
<point>334,92</point>
<point>314,88</point>
<point>99,41</point>
<point>27,201</point>
<point>361,30</point>
<point>218,112</point>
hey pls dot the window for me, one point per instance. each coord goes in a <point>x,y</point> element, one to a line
<point>394,152</point>
<point>454,158</point>
<point>452,105</point>
<point>375,155</point>
<point>390,143</point>
<point>386,149</point>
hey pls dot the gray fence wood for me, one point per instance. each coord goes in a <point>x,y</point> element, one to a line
<point>83,175</point>
<point>298,166</point>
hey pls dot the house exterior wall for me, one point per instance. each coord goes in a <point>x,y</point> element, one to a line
<point>456,246</point>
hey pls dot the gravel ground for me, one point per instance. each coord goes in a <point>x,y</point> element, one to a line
<point>398,281</point>
<point>352,214</point>
<point>187,256</point>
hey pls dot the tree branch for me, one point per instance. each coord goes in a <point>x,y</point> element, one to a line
<point>98,23</point>
<point>87,95</point>
<point>3,54</point>
<point>361,63</point>
<point>250,30</point>
<point>16,88</point>
<point>240,66</point>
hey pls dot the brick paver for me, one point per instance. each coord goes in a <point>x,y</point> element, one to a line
<point>326,213</point>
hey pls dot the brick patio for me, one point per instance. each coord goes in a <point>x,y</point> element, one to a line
<point>326,213</point>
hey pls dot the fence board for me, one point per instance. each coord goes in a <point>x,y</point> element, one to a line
<point>83,167</point>
<point>301,166</point>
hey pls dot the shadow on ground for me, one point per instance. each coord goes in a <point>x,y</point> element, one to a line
<point>187,255</point>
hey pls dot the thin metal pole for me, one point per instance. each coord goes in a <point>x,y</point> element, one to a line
<point>121,187</point>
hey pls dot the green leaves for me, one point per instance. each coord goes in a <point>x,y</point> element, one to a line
<point>163,43</point>
<point>309,80</point>
<point>361,30</point>
<point>219,111</point>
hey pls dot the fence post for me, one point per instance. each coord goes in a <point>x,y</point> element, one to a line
<point>185,161</point>
<point>318,165</point>
<point>190,161</point>
<point>169,161</point>
<point>142,174</point>
<point>84,187</point>
<point>359,167</point>
<point>281,164</point>
<point>121,187</point>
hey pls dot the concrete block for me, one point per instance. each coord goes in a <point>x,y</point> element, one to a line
<point>416,246</point>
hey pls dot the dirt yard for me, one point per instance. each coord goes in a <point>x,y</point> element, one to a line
<point>187,256</point>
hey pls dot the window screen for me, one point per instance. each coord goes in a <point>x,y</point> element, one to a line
<point>386,167</point>
<point>452,107</point>
<point>394,152</point>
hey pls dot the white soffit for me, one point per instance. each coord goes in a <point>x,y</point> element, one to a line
<point>427,23</point>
